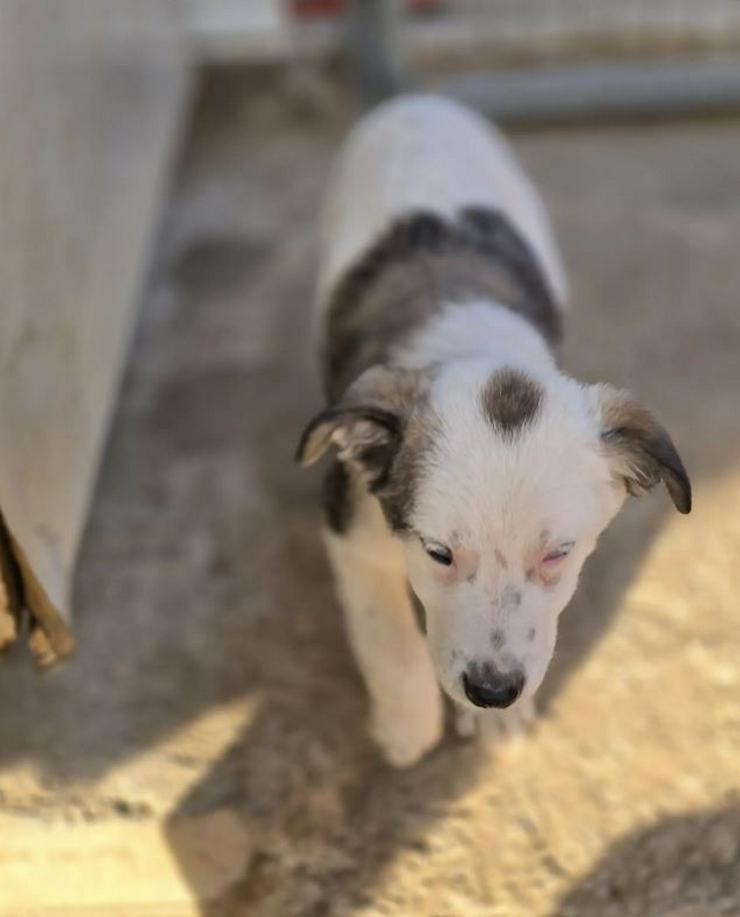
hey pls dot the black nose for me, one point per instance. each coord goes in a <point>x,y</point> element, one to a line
<point>488,688</point>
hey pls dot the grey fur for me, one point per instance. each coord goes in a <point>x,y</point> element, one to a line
<point>383,428</point>
<point>422,263</point>
<point>398,491</point>
<point>645,448</point>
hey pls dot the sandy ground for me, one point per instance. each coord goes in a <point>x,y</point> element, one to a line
<point>205,753</point>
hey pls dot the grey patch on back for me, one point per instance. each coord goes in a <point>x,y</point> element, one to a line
<point>422,263</point>
<point>511,400</point>
<point>500,240</point>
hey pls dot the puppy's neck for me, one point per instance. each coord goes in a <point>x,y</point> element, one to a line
<point>474,330</point>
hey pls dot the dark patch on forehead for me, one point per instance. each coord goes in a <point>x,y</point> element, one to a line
<point>498,638</point>
<point>511,400</point>
<point>422,263</point>
<point>501,559</point>
<point>531,634</point>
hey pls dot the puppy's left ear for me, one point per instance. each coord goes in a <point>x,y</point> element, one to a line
<point>367,424</point>
<point>640,451</point>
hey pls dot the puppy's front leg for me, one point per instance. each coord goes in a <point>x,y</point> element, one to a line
<point>407,713</point>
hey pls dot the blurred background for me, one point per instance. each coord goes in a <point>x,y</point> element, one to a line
<point>203,751</point>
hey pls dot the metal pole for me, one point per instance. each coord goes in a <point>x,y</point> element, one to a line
<point>375,49</point>
<point>608,91</point>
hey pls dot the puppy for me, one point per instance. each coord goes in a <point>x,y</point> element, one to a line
<point>469,472</point>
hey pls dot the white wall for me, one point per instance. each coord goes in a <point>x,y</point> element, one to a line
<point>91,93</point>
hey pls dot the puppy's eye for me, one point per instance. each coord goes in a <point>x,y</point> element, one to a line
<point>438,552</point>
<point>559,553</point>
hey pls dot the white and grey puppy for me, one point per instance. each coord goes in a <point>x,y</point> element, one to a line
<point>467,465</point>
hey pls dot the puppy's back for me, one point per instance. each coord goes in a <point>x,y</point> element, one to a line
<point>424,153</point>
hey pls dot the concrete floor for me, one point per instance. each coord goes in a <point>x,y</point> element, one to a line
<point>205,752</point>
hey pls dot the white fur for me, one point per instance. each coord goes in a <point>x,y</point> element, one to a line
<point>476,329</point>
<point>494,497</point>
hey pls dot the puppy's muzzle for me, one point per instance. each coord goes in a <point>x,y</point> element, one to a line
<point>492,689</point>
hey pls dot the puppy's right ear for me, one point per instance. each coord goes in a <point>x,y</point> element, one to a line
<point>367,424</point>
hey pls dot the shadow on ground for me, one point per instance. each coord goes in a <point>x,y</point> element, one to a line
<point>662,870</point>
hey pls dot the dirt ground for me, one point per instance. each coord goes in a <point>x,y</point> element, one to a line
<point>205,753</point>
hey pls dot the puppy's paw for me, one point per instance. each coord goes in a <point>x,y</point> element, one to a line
<point>504,728</point>
<point>407,730</point>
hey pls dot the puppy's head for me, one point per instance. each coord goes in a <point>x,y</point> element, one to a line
<point>498,484</point>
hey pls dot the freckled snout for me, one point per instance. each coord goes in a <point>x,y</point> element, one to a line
<point>486,687</point>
